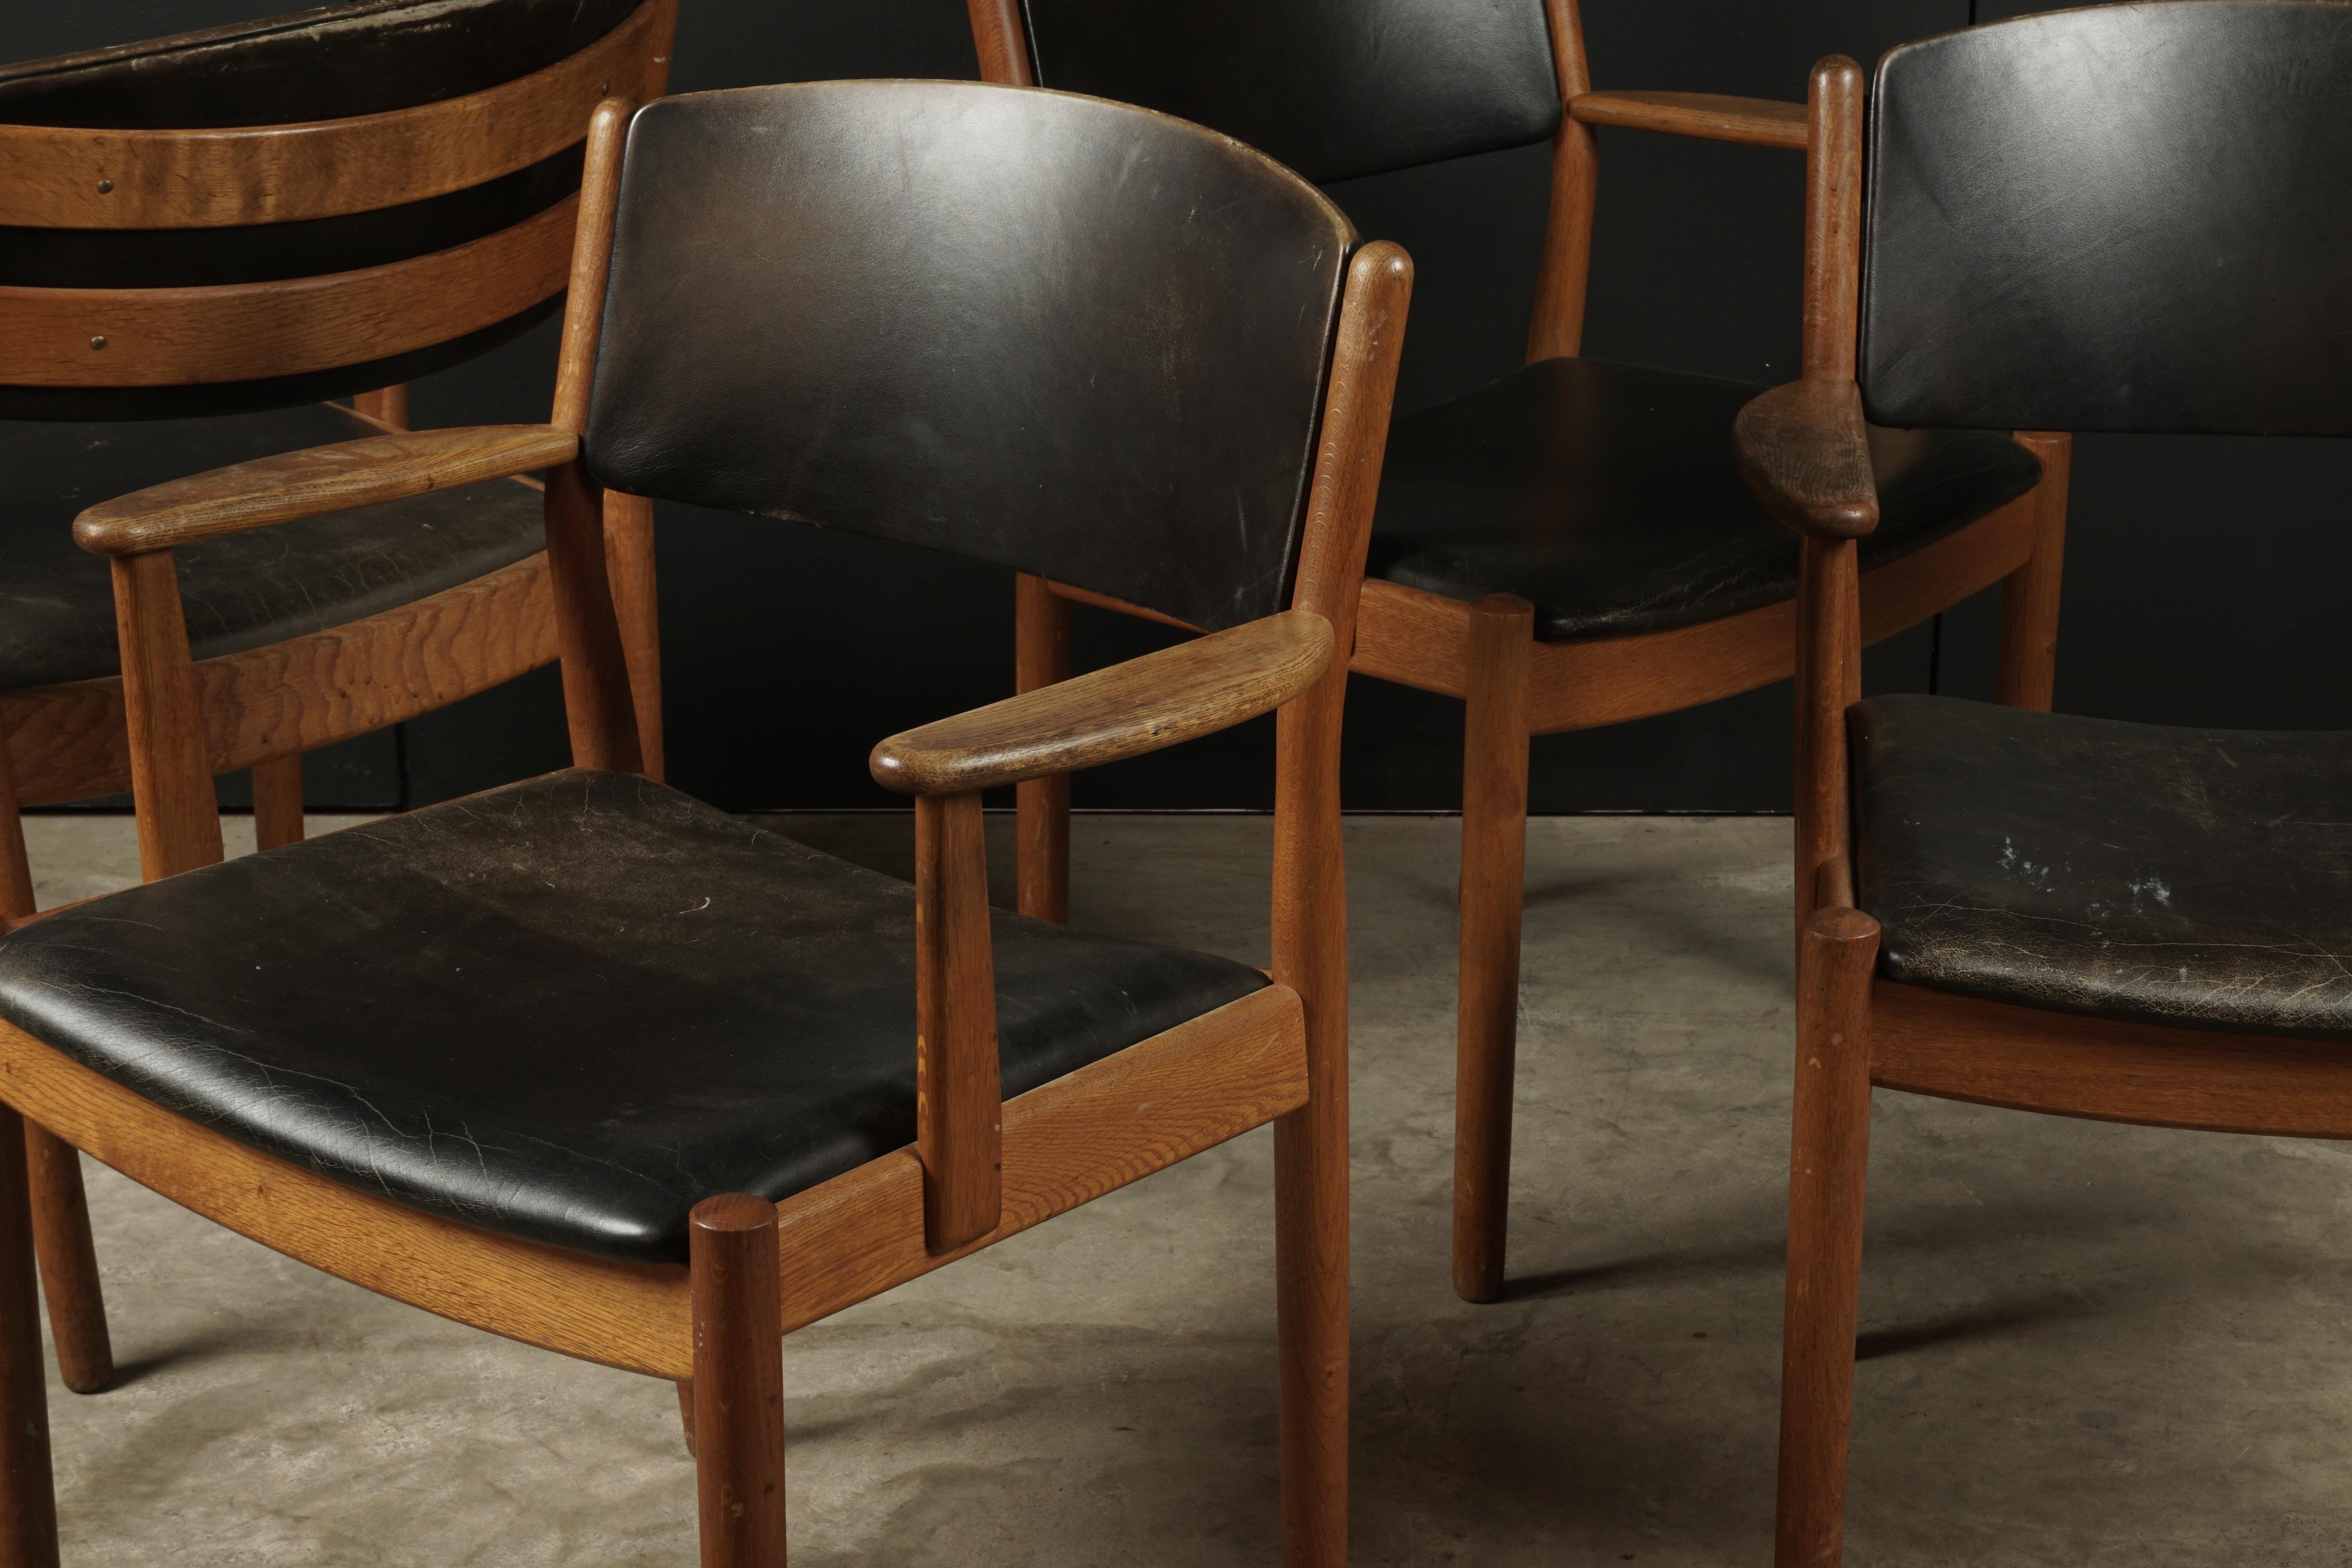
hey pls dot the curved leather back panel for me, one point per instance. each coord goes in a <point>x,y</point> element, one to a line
<point>2132,217</point>
<point>1333,87</point>
<point>1053,334</point>
<point>108,63</point>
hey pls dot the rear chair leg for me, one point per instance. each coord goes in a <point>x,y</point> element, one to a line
<point>29,1509</point>
<point>2028,674</point>
<point>1493,859</point>
<point>60,1211</point>
<point>1829,1156</point>
<point>278,802</point>
<point>69,1262</point>
<point>738,1381</point>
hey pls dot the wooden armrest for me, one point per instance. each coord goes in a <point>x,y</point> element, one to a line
<point>1757,122</point>
<point>321,480</point>
<point>1175,694</point>
<point>1805,452</point>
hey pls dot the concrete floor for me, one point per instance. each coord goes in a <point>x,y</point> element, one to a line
<point>2086,1344</point>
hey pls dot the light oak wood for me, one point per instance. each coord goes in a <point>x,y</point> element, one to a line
<point>1066,1144</point>
<point>1146,704</point>
<point>1310,931</point>
<point>632,1316</point>
<point>71,177</point>
<point>1556,323</point>
<point>317,480</point>
<point>1756,121</point>
<point>1041,657</point>
<point>959,1099</point>
<point>238,331</point>
<point>1416,639</point>
<point>599,700</point>
<point>1002,42</point>
<point>277,801</point>
<point>388,406</point>
<point>1834,220</point>
<point>1493,858</point>
<point>739,1382</point>
<point>1828,681</point>
<point>1828,1159</point>
<point>2028,675</point>
<point>2106,1070</point>
<point>164,723</point>
<point>1105,602</point>
<point>1804,451</point>
<point>301,694</point>
<point>629,564</point>
<point>69,1278</point>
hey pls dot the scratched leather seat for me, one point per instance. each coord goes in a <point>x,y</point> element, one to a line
<point>587,1063</point>
<point>2165,875</point>
<point>203,235</point>
<point>2126,218</point>
<point>1570,545</point>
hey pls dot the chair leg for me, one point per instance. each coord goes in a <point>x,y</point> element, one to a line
<point>2028,674</point>
<point>686,1414</point>
<point>738,1381</point>
<point>278,802</point>
<point>1829,1158</point>
<point>1493,859</point>
<point>1310,1178</point>
<point>69,1259</point>
<point>28,1508</point>
<point>60,1211</point>
<point>1041,655</point>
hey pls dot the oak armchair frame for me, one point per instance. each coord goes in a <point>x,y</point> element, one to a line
<point>982,1169</point>
<point>263,709</point>
<point>1515,687</point>
<point>1800,447</point>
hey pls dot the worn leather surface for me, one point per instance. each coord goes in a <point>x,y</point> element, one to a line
<point>2193,878</point>
<point>2125,218</point>
<point>1605,495</point>
<point>566,1010</point>
<point>57,600</point>
<point>1035,330</point>
<point>201,63</point>
<point>1333,87</point>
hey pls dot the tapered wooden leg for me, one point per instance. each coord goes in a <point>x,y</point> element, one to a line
<point>686,1414</point>
<point>60,1210</point>
<point>278,802</point>
<point>2028,675</point>
<point>388,403</point>
<point>1830,1154</point>
<point>29,1509</point>
<point>738,1381</point>
<point>69,1262</point>
<point>1041,657</point>
<point>1493,859</point>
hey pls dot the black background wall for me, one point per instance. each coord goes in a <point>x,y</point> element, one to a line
<point>2201,576</point>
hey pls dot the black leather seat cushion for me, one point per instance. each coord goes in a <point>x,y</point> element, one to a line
<point>1605,495</point>
<point>2192,877</point>
<point>566,1010</point>
<point>57,600</point>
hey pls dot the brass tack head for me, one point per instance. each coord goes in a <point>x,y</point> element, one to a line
<point>104,186</point>
<point>98,342</point>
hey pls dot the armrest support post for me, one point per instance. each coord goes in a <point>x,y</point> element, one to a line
<point>959,1098</point>
<point>171,760</point>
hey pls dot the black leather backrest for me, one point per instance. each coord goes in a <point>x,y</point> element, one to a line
<point>195,64</point>
<point>1042,330</point>
<point>2132,217</point>
<point>1333,87</point>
